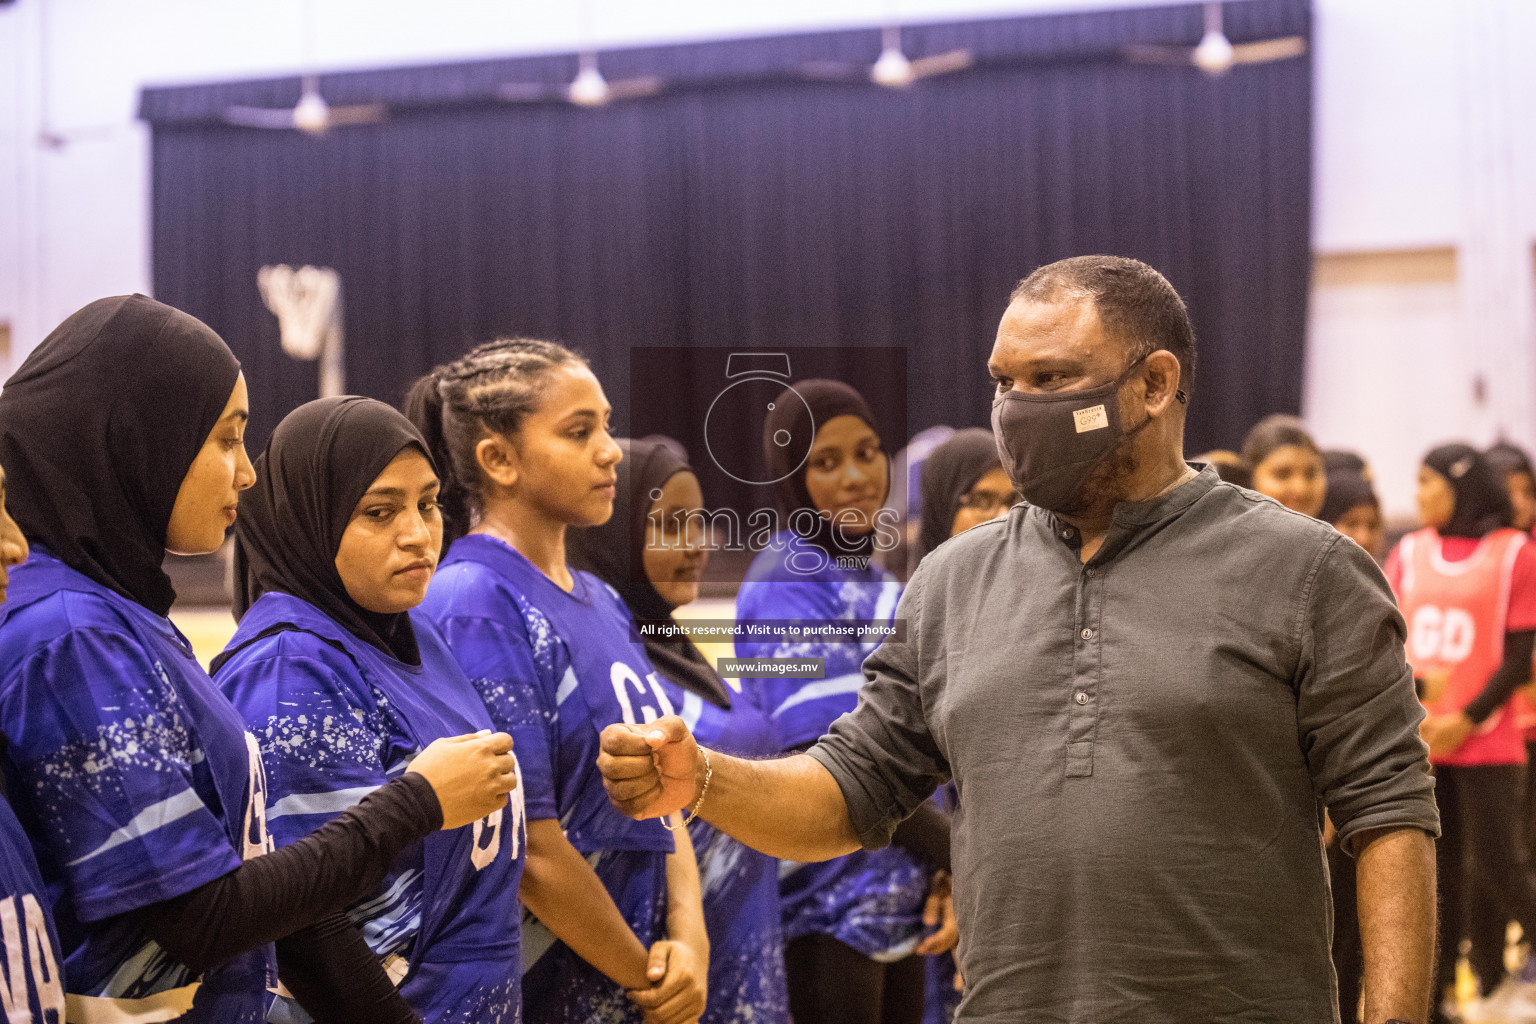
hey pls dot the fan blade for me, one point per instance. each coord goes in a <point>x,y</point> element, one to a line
<point>259,117</point>
<point>361,113</point>
<point>1155,53</point>
<point>1265,50</point>
<point>634,88</point>
<point>942,63</point>
<point>834,71</point>
<point>531,92</point>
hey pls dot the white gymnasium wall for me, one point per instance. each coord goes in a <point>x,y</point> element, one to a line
<point>1423,320</point>
<point>1422,145</point>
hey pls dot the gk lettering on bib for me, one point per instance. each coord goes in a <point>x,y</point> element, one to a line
<point>624,679</point>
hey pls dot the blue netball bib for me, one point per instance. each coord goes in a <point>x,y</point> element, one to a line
<point>554,669</point>
<point>871,901</point>
<point>137,781</point>
<point>335,719</point>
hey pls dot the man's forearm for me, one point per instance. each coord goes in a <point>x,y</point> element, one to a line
<point>1395,872</point>
<point>788,807</point>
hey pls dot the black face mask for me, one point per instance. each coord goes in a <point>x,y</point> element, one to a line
<point>1050,443</point>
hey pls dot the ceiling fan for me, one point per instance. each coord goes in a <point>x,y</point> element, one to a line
<point>892,69</point>
<point>311,115</point>
<point>588,89</point>
<point>1215,54</point>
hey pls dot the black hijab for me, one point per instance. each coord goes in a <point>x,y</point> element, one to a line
<point>99,427</point>
<point>319,462</point>
<point>824,400</point>
<point>949,471</point>
<point>1482,503</point>
<point>614,552</point>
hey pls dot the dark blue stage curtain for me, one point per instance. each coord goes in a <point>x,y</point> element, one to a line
<point>748,207</point>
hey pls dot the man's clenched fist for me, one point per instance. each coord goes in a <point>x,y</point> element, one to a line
<point>651,770</point>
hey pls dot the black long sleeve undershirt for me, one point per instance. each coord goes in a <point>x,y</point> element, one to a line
<point>1513,673</point>
<point>297,886</point>
<point>330,969</point>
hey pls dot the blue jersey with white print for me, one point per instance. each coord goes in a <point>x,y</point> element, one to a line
<point>31,988</point>
<point>740,885</point>
<point>336,718</point>
<point>554,669</point>
<point>871,901</point>
<point>778,586</point>
<point>137,782</point>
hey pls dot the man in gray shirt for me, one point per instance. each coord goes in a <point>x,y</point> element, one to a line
<point>1147,684</point>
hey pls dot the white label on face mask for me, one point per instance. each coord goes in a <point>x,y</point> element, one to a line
<point>1094,418</point>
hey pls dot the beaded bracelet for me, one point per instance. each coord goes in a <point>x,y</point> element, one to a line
<point>709,773</point>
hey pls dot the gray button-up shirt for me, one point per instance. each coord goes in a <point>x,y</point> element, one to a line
<point>1143,747</point>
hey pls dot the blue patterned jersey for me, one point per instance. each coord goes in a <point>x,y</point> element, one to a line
<point>31,988</point>
<point>872,901</point>
<point>775,588</point>
<point>740,885</point>
<point>553,669</point>
<point>137,782</point>
<point>336,718</point>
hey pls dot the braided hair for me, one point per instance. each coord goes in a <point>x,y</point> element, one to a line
<point>490,390</point>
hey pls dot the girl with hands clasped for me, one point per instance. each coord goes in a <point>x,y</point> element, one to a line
<point>142,793</point>
<point>653,552</point>
<point>519,431</point>
<point>343,686</point>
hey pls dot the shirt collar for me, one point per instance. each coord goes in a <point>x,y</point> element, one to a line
<point>1130,515</point>
<point>1169,503</point>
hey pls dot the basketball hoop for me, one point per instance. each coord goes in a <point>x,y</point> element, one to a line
<point>307,303</point>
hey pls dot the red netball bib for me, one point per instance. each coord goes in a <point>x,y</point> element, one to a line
<point>1456,614</point>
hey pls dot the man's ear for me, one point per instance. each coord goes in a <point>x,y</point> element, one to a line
<point>1161,372</point>
<point>497,459</point>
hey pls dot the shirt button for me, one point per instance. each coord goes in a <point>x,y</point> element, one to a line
<point>1090,571</point>
<point>1086,634</point>
<point>1081,698</point>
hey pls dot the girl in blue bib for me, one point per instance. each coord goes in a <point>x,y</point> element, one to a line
<point>342,685</point>
<point>519,432</point>
<point>852,923</point>
<point>31,988</point>
<point>652,553</point>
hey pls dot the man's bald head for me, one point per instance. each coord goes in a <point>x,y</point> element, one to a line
<point>1135,304</point>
